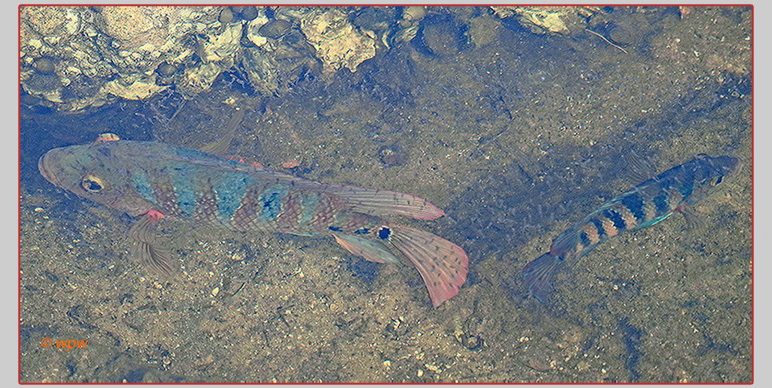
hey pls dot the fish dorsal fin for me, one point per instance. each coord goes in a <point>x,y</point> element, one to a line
<point>639,169</point>
<point>107,136</point>
<point>221,145</point>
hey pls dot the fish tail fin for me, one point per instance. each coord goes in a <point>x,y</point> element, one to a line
<point>442,264</point>
<point>538,275</point>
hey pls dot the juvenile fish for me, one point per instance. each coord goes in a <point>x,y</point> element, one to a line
<point>156,180</point>
<point>645,204</point>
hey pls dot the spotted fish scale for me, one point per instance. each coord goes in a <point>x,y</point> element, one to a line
<point>645,204</point>
<point>156,180</point>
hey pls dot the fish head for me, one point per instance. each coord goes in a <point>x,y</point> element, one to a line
<point>712,170</point>
<point>709,172</point>
<point>94,171</point>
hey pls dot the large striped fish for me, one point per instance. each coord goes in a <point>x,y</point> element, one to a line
<point>645,204</point>
<point>156,180</point>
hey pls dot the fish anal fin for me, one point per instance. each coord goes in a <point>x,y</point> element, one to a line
<point>369,250</point>
<point>443,265</point>
<point>147,251</point>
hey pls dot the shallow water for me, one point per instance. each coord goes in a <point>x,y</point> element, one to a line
<point>514,137</point>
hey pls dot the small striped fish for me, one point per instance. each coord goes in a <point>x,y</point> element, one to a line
<point>157,180</point>
<point>645,204</point>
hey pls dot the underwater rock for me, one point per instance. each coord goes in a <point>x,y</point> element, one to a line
<point>409,24</point>
<point>45,65</point>
<point>44,85</point>
<point>222,47</point>
<point>226,15</point>
<point>247,13</point>
<point>393,155</point>
<point>414,14</point>
<point>443,38</point>
<point>253,30</point>
<point>275,29</point>
<point>78,57</point>
<point>483,30</point>
<point>166,69</point>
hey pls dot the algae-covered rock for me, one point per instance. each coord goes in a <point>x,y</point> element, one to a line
<point>558,20</point>
<point>92,55</point>
<point>137,90</point>
<point>338,44</point>
<point>76,57</point>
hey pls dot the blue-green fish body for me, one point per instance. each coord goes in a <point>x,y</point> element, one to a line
<point>645,204</point>
<point>156,180</point>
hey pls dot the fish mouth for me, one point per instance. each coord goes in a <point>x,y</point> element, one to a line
<point>737,168</point>
<point>47,172</point>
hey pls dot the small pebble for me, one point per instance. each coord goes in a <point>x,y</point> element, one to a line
<point>226,16</point>
<point>45,65</point>
<point>249,13</point>
<point>166,69</point>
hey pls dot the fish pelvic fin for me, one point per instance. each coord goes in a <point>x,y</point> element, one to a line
<point>147,251</point>
<point>370,250</point>
<point>442,264</point>
<point>539,274</point>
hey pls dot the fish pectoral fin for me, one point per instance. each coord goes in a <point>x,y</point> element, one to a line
<point>155,257</point>
<point>692,221</point>
<point>369,250</point>
<point>146,251</point>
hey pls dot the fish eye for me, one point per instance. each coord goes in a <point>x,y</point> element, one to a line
<point>92,183</point>
<point>384,233</point>
<point>716,181</point>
